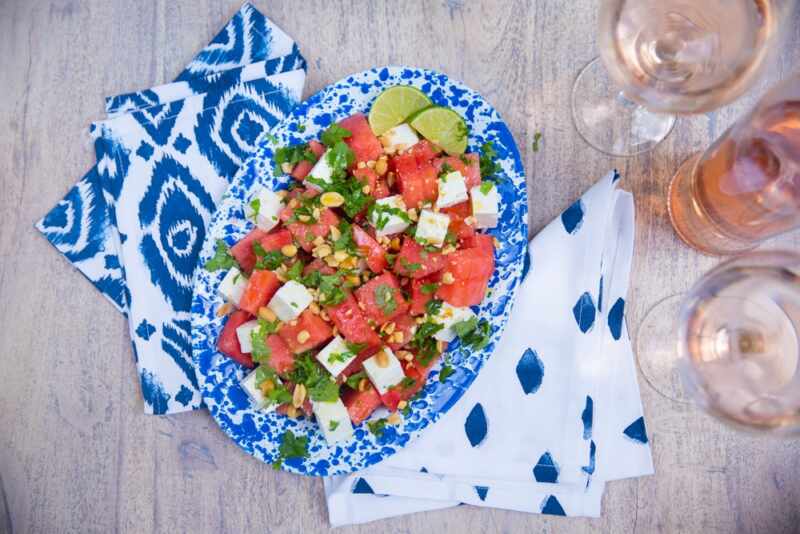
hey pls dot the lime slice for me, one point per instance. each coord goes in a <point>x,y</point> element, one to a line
<point>443,127</point>
<point>394,106</point>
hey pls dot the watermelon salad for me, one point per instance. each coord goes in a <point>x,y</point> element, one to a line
<point>354,280</point>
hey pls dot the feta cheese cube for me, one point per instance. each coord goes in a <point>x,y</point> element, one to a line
<point>485,205</point>
<point>448,316</point>
<point>232,286</point>
<point>244,334</point>
<point>384,377</point>
<point>333,420</point>
<point>250,386</point>
<point>452,190</point>
<point>264,209</point>
<point>335,357</point>
<point>432,227</point>
<point>290,301</point>
<point>321,171</point>
<point>399,138</point>
<point>386,217</point>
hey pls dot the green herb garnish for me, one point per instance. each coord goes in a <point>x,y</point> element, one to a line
<point>488,161</point>
<point>410,267</point>
<point>429,289</point>
<point>486,187</point>
<point>291,447</point>
<point>381,214</point>
<point>446,371</point>
<point>293,155</point>
<point>424,342</point>
<point>222,258</point>
<point>433,307</point>
<point>384,298</point>
<point>354,379</point>
<point>333,425</point>
<point>334,134</point>
<point>377,427</point>
<point>473,333</point>
<point>255,206</point>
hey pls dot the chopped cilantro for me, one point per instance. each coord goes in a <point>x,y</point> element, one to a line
<point>340,157</point>
<point>424,342</point>
<point>334,134</point>
<point>355,348</point>
<point>410,267</point>
<point>325,390</point>
<point>339,357</point>
<point>429,289</point>
<point>293,155</point>
<point>407,382</point>
<point>222,258</point>
<point>301,128</point>
<point>258,337</point>
<point>291,447</point>
<point>381,214</point>
<point>295,272</point>
<point>433,307</point>
<point>486,187</point>
<point>354,379</point>
<point>319,384</point>
<point>384,298</point>
<point>446,371</point>
<point>255,205</point>
<point>450,238</point>
<point>333,425</point>
<point>377,427</point>
<point>465,160</point>
<point>537,137</point>
<point>488,163</point>
<point>350,187</point>
<point>345,241</point>
<point>330,289</point>
<point>473,333</point>
<point>270,260</point>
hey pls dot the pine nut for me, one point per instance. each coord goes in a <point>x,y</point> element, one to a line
<point>381,166</point>
<point>289,251</point>
<point>322,250</point>
<point>388,328</point>
<point>366,189</point>
<point>331,199</point>
<point>298,395</point>
<point>393,419</point>
<point>402,405</point>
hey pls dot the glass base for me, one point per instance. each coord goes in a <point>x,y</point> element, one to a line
<point>689,219</point>
<point>657,349</point>
<point>608,120</point>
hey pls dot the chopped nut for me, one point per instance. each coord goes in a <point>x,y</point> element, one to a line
<point>266,386</point>
<point>304,218</point>
<point>408,357</point>
<point>413,215</point>
<point>287,167</point>
<point>293,322</point>
<point>381,166</point>
<point>420,320</point>
<point>332,261</point>
<point>298,395</point>
<point>394,418</point>
<point>382,359</point>
<point>291,411</point>
<point>441,345</point>
<point>316,213</point>
<point>398,337</point>
<point>331,199</point>
<point>448,278</point>
<point>326,317</point>
<point>318,241</point>
<point>388,328</point>
<point>322,250</point>
<point>371,164</point>
<point>294,203</point>
<point>281,277</point>
<point>353,279</point>
<point>390,179</point>
<point>404,355</point>
<point>335,328</point>
<point>366,189</point>
<point>402,405</point>
<point>383,240</point>
<point>314,307</point>
<point>449,249</point>
<point>362,385</point>
<point>266,314</point>
<point>289,250</point>
<point>335,233</point>
<point>394,244</point>
<point>224,309</point>
<point>361,164</point>
<point>340,255</point>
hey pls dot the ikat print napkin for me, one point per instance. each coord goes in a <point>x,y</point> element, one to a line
<point>164,158</point>
<point>555,412</point>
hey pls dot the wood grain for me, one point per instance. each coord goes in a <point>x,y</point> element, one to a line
<point>76,452</point>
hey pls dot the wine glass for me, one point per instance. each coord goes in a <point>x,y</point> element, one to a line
<point>733,347</point>
<point>665,57</point>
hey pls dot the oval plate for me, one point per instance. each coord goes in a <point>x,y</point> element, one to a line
<point>259,433</point>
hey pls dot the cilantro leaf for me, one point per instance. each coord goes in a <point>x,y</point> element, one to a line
<point>384,299</point>
<point>488,164</point>
<point>377,427</point>
<point>486,187</point>
<point>295,272</point>
<point>424,343</point>
<point>291,447</point>
<point>255,205</point>
<point>333,425</point>
<point>433,306</point>
<point>334,134</point>
<point>446,371</point>
<point>465,327</point>
<point>222,258</point>
<point>410,267</point>
<point>340,157</point>
<point>325,390</point>
<point>293,155</point>
<point>473,333</point>
<point>354,379</point>
<point>429,289</point>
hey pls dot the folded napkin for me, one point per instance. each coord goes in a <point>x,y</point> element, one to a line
<point>555,412</point>
<point>165,156</point>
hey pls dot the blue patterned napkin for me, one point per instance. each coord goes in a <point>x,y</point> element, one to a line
<point>556,411</point>
<point>164,158</point>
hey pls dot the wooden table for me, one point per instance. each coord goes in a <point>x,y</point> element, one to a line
<point>76,452</point>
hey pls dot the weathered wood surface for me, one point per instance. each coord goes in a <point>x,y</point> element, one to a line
<point>76,452</point>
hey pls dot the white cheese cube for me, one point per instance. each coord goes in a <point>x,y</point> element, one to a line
<point>333,420</point>
<point>452,190</point>
<point>399,138</point>
<point>321,171</point>
<point>264,209</point>
<point>386,218</point>
<point>244,333</point>
<point>432,227</point>
<point>232,286</point>
<point>384,377</point>
<point>485,205</point>
<point>290,301</point>
<point>335,356</point>
<point>448,316</point>
<point>257,397</point>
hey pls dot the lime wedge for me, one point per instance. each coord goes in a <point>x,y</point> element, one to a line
<point>394,106</point>
<point>443,127</point>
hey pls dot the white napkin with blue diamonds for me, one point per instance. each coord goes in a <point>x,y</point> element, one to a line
<point>556,410</point>
<point>164,158</point>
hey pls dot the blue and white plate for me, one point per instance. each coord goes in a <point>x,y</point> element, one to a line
<point>260,433</point>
